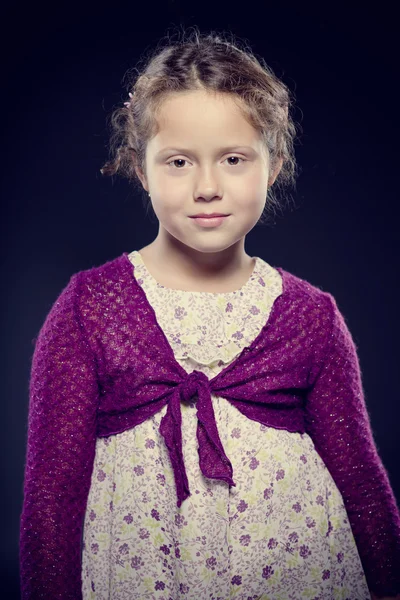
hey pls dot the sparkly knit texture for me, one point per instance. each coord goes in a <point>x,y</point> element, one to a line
<point>102,364</point>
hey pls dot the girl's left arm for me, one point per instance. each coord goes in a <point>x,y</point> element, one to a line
<point>338,423</point>
<point>61,441</point>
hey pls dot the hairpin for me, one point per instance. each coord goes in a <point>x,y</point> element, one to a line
<point>127,104</point>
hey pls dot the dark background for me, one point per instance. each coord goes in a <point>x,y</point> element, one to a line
<point>62,67</point>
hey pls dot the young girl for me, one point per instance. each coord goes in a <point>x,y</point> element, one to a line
<point>197,424</point>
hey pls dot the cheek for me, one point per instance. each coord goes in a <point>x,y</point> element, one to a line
<point>166,207</point>
<point>252,187</point>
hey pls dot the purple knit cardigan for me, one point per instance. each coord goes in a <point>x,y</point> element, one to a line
<point>102,365</point>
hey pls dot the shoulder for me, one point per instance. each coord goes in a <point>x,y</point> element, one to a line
<point>319,308</point>
<point>99,275</point>
<point>91,289</point>
<point>316,308</point>
<point>305,293</point>
<point>101,280</point>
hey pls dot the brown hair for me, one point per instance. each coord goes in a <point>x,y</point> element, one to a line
<point>216,64</point>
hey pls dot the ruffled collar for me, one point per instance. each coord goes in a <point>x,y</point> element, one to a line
<point>211,328</point>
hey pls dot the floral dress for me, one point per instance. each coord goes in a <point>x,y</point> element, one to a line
<point>283,531</point>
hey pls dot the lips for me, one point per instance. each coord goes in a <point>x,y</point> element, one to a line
<point>213,216</point>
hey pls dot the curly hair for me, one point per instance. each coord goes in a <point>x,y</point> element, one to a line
<point>217,63</point>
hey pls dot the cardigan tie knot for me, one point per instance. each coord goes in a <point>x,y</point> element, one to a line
<point>212,459</point>
<point>189,387</point>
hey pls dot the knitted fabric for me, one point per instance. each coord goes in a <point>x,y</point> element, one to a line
<point>102,364</point>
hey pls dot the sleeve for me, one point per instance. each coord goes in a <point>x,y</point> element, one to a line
<point>63,398</point>
<point>339,425</point>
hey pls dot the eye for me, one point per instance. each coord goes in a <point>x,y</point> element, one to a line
<point>183,160</point>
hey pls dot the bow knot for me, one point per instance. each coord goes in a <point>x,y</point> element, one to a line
<point>189,387</point>
<point>212,459</point>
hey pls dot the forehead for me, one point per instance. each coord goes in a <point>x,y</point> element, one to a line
<point>200,117</point>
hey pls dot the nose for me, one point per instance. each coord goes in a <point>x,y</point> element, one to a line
<point>207,186</point>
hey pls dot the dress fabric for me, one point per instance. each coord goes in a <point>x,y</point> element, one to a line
<point>281,533</point>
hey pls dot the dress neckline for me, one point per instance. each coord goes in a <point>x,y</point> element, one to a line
<point>239,291</point>
<point>276,307</point>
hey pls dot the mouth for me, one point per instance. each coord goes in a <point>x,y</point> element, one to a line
<point>211,216</point>
<point>210,221</point>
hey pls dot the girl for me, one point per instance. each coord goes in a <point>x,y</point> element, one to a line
<point>197,424</point>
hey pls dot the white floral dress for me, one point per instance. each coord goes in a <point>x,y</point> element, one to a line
<point>283,531</point>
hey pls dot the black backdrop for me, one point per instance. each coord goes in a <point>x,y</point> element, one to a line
<point>62,66</point>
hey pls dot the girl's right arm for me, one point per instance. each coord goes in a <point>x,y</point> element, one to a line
<point>63,400</point>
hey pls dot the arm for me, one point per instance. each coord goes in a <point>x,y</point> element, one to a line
<point>339,424</point>
<point>63,396</point>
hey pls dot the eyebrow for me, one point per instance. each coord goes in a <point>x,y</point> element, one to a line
<point>187,151</point>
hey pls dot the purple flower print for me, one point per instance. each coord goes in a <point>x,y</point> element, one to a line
<point>155,514</point>
<point>144,534</point>
<point>326,574</point>
<point>183,588</point>
<point>160,585</point>
<point>269,512</point>
<point>124,549</point>
<point>261,281</point>
<point>242,506</point>
<point>101,475</point>
<point>180,313</point>
<point>128,518</point>
<point>235,433</point>
<point>310,522</point>
<point>340,557</point>
<point>136,562</point>
<point>111,506</point>
<point>210,563</point>
<point>92,586</point>
<point>245,540</point>
<point>165,549</point>
<point>236,580</point>
<point>161,479</point>
<point>238,335</point>
<point>267,572</point>
<point>268,492</point>
<point>177,553</point>
<point>254,463</point>
<point>303,458</point>
<point>304,551</point>
<point>180,521</point>
<point>272,543</point>
<point>296,507</point>
<point>138,470</point>
<point>319,500</point>
<point>150,443</point>
<point>229,307</point>
<point>92,515</point>
<point>280,474</point>
<point>330,528</point>
<point>288,548</point>
<point>94,548</point>
<point>254,310</point>
<point>293,537</point>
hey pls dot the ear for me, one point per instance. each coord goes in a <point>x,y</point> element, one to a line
<point>274,174</point>
<point>142,177</point>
